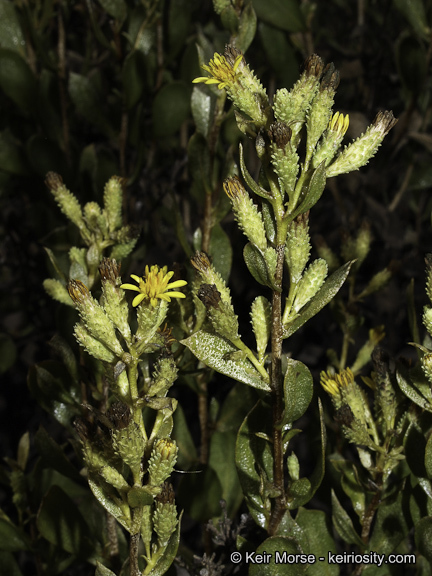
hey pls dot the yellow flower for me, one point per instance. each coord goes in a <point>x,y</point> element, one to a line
<point>332,383</point>
<point>222,72</point>
<point>153,285</point>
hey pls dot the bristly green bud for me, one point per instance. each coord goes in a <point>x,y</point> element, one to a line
<point>113,298</point>
<point>93,316</point>
<point>261,324</point>
<point>291,107</point>
<point>284,157</point>
<point>165,515</point>
<point>427,319</point>
<point>231,72</point>
<point>129,444</point>
<point>200,261</point>
<point>92,345</point>
<point>298,247</point>
<point>67,202</point>
<point>113,196</point>
<point>358,248</point>
<point>246,212</point>
<point>357,154</point>
<point>162,461</point>
<point>150,318</point>
<point>293,467</point>
<point>321,108</point>
<point>310,283</point>
<point>164,375</point>
<point>78,268</point>
<point>147,525</point>
<point>221,313</point>
<point>220,5</point>
<point>327,254</point>
<point>428,260</point>
<point>331,140</point>
<point>94,219</point>
<point>426,364</point>
<point>113,477</point>
<point>56,290</point>
<point>378,281</point>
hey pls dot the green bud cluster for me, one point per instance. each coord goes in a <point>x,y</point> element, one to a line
<point>246,213</point>
<point>298,247</point>
<point>221,313</point>
<point>162,461</point>
<point>200,261</point>
<point>310,283</point>
<point>284,157</point>
<point>129,444</point>
<point>261,324</point>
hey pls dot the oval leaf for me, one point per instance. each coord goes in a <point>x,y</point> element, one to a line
<point>298,391</point>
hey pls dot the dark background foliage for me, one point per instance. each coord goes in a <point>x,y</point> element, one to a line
<point>91,89</point>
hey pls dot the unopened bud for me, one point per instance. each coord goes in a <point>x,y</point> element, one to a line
<point>162,461</point>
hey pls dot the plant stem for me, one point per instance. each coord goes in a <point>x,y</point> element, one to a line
<point>133,553</point>
<point>277,397</point>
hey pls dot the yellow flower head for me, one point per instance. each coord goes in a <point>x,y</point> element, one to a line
<point>222,72</point>
<point>339,123</point>
<point>155,284</point>
<point>333,383</point>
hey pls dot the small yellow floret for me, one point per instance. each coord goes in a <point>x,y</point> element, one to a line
<point>153,285</point>
<point>222,73</point>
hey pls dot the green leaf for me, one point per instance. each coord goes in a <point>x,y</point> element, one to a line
<point>139,496</point>
<point>60,522</point>
<point>17,80</point>
<point>199,493</point>
<point>258,267</point>
<point>66,354</point>
<point>278,565</point>
<point>423,537</point>
<point>169,553</point>
<point>280,54</point>
<point>414,12</point>
<point>87,95</point>
<point>246,28</point>
<point>53,456</point>
<point>199,163</point>
<point>256,188</point>
<point>343,523</point>
<point>115,8</point>
<point>220,249</point>
<point>101,491</point>
<point>103,571</point>
<point>202,106</point>
<point>318,473</point>
<point>12,539</point>
<point>254,453</point>
<point>351,484</point>
<point>285,14</point>
<point>406,384</point>
<point>187,454</point>
<point>314,191</point>
<point>326,293</point>
<point>215,352</point>
<point>298,391</point>
<point>8,563</point>
<point>133,78</point>
<point>179,18</point>
<point>222,460</point>
<point>11,34</point>
<point>320,541</point>
<point>390,526</point>
<point>428,458</point>
<point>171,108</point>
<point>236,407</point>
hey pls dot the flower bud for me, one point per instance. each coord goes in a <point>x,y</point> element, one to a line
<point>428,260</point>
<point>221,314</point>
<point>91,345</point>
<point>94,218</point>
<point>361,150</point>
<point>293,467</point>
<point>291,107</point>
<point>284,157</point>
<point>310,283</point>
<point>164,376</point>
<point>113,298</point>
<point>426,364</point>
<point>200,261</point>
<point>331,140</point>
<point>298,247</point>
<point>67,202</point>
<point>113,196</point>
<point>93,316</point>
<point>427,319</point>
<point>246,213</point>
<point>261,324</point>
<point>162,461</point>
<point>129,444</point>
<point>56,290</point>
<point>110,475</point>
<point>165,515</point>
<point>321,108</point>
